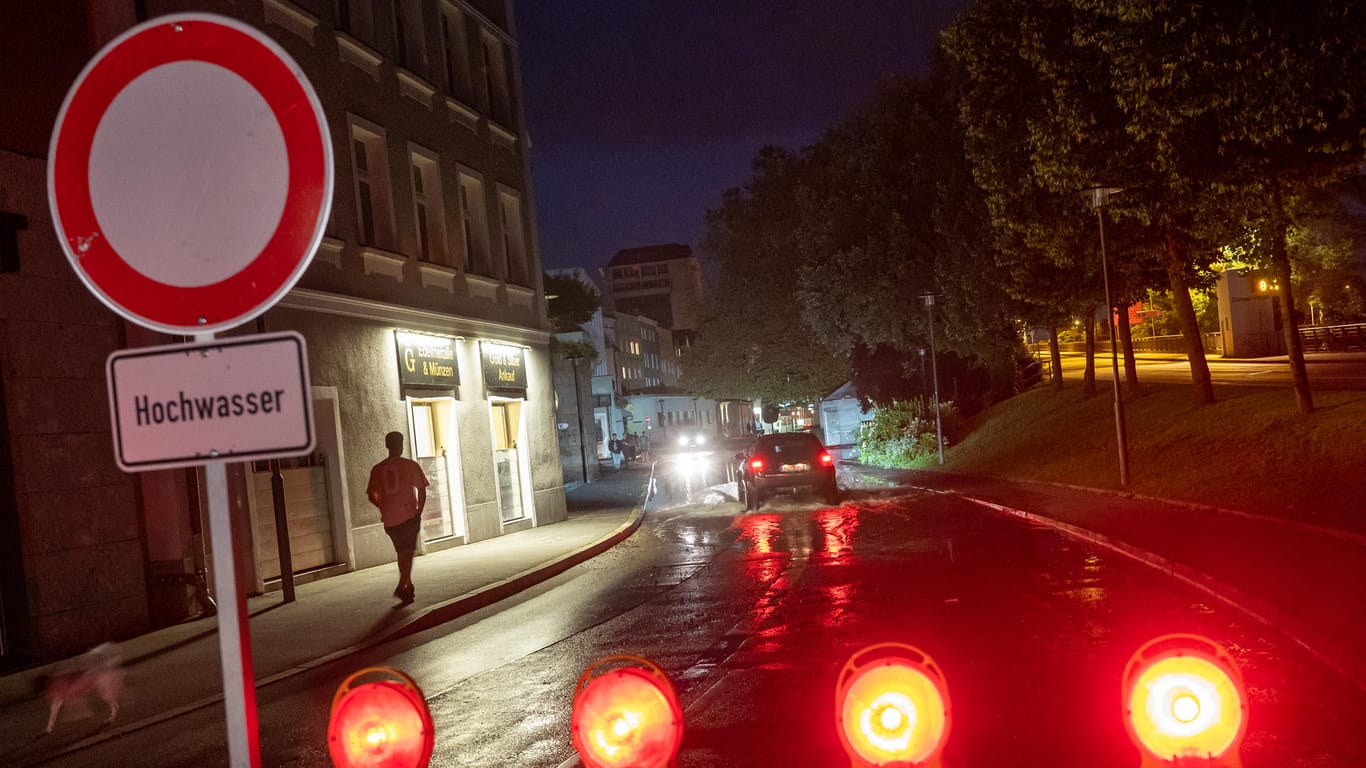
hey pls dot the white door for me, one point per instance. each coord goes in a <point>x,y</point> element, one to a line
<point>507,422</point>
<point>434,449</point>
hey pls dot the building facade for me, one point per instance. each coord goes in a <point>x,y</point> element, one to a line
<point>661,282</point>
<point>423,312</point>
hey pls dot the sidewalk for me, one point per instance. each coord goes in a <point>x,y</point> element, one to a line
<point>177,669</point>
<point>1307,582</point>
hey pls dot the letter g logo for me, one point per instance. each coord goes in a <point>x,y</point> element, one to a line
<point>409,359</point>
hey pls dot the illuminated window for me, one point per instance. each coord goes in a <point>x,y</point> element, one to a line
<point>424,431</point>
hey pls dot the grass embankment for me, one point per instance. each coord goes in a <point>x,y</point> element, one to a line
<point>1250,450</point>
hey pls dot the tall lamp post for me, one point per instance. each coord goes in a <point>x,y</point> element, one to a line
<point>1098,197</point>
<point>578,409</point>
<point>934,368</point>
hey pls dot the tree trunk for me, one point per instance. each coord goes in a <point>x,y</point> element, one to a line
<point>1088,381</point>
<point>1202,387</point>
<point>1290,326</point>
<point>1126,340</point>
<point>1054,358</point>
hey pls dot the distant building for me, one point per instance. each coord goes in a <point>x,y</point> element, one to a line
<point>661,282</point>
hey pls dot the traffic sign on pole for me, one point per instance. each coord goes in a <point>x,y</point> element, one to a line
<point>190,173</point>
<point>189,178</point>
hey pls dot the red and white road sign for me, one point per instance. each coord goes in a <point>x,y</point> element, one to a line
<point>190,173</point>
<point>233,399</point>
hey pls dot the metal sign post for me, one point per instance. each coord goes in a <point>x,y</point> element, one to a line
<point>234,635</point>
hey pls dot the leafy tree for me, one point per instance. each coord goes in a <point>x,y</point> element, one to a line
<point>1254,101</point>
<point>1329,269</point>
<point>570,302</point>
<point>1040,107</point>
<point>901,217</point>
<point>753,340</point>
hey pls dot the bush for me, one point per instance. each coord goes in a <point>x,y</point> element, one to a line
<point>904,431</point>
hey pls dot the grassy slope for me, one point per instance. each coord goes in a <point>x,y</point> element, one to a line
<point>1250,450</point>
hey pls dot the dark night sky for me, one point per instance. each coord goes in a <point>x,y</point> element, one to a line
<point>642,112</point>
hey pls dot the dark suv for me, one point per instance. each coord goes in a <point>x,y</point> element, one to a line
<point>785,460</point>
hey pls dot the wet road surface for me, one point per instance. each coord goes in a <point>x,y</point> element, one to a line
<point>752,615</point>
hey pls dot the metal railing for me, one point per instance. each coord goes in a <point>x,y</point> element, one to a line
<point>1334,338</point>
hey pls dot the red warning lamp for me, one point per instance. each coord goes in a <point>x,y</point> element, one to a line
<point>380,720</point>
<point>892,707</point>
<point>1184,703</point>
<point>626,715</point>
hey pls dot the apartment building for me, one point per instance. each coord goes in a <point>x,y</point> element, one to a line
<point>430,254</point>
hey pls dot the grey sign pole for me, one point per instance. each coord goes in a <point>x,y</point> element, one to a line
<point>234,634</point>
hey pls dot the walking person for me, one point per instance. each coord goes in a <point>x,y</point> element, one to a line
<point>399,488</point>
<point>616,448</point>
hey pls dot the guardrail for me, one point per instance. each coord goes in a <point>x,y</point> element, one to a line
<point>1318,338</point>
<point>1334,338</point>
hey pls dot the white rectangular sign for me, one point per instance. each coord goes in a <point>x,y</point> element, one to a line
<point>233,399</point>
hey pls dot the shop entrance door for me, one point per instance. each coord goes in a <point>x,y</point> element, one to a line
<point>434,449</point>
<point>507,424</point>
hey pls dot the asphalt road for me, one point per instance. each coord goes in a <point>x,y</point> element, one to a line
<point>753,615</point>
<point>1326,370</point>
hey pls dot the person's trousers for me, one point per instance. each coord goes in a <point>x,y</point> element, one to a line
<point>616,461</point>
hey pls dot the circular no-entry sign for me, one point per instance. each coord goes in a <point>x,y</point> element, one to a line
<point>190,173</point>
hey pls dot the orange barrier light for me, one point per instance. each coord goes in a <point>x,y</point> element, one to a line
<point>892,707</point>
<point>1184,701</point>
<point>380,723</point>
<point>627,716</point>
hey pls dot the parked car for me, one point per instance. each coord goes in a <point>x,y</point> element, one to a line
<point>784,461</point>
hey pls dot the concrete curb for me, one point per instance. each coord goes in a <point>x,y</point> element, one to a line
<point>428,618</point>
<point>1297,525</point>
<point>1337,657</point>
<point>472,601</point>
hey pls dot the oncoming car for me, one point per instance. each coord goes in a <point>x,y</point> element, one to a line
<point>785,461</point>
<point>690,440</point>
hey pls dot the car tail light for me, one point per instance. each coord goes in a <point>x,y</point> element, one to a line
<point>1184,699</point>
<point>381,723</point>
<point>627,716</point>
<point>827,460</point>
<point>892,707</point>
<point>756,465</point>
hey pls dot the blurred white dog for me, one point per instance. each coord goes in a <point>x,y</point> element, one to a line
<point>97,672</point>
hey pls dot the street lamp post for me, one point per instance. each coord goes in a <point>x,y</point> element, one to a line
<point>578,410</point>
<point>1099,197</point>
<point>934,368</point>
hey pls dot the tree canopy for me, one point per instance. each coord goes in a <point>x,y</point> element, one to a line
<point>1223,122</point>
<point>570,302</point>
